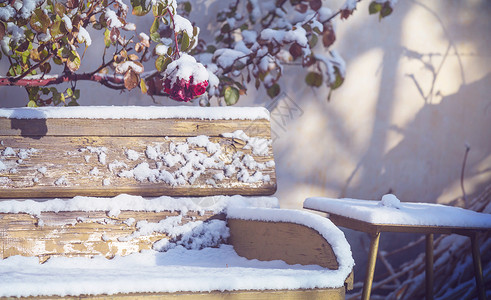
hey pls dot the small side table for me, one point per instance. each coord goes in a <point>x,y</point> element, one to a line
<point>373,218</point>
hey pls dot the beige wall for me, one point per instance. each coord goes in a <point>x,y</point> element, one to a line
<point>416,91</point>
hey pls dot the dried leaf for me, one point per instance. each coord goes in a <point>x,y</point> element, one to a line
<point>131,79</point>
<point>114,35</point>
<point>2,30</point>
<point>295,50</point>
<point>315,4</point>
<point>133,57</point>
<point>328,36</point>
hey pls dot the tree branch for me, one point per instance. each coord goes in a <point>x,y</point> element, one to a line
<point>111,81</point>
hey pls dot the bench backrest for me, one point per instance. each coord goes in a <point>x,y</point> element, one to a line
<point>153,151</point>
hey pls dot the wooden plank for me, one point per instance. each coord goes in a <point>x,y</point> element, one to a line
<point>372,228</point>
<point>63,166</point>
<point>130,127</point>
<point>292,243</point>
<point>80,233</point>
<point>302,294</point>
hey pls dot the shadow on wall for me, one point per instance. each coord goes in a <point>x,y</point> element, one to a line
<point>433,147</point>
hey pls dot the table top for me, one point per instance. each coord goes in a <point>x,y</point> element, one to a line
<point>399,217</point>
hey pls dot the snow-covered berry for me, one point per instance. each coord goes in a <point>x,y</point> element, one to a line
<point>185,79</point>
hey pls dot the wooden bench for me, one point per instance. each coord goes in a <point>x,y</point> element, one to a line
<point>79,185</point>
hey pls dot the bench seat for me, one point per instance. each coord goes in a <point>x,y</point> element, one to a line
<point>180,268</point>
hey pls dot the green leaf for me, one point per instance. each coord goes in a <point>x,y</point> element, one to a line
<point>162,62</point>
<point>225,28</point>
<point>185,41</point>
<point>374,8</point>
<point>69,92</point>
<point>339,79</point>
<point>139,10</point>
<point>76,94</point>
<point>313,79</point>
<point>274,90</point>
<point>32,103</point>
<point>155,37</point>
<point>143,86</point>
<point>56,29</point>
<point>107,38</point>
<point>211,49</point>
<point>60,9</point>
<point>386,10</point>
<point>187,7</point>
<point>155,26</point>
<point>73,103</point>
<point>231,95</point>
<point>313,41</point>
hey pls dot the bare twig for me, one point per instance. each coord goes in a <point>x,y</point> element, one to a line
<point>467,149</point>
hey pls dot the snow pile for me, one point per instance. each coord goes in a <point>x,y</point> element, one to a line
<point>123,202</point>
<point>137,112</point>
<point>181,164</point>
<point>416,214</point>
<point>84,36</point>
<point>390,200</point>
<point>193,235</point>
<point>11,159</point>
<point>206,270</point>
<point>259,146</point>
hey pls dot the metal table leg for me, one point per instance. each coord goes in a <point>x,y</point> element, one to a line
<point>429,266</point>
<point>372,259</point>
<point>476,259</point>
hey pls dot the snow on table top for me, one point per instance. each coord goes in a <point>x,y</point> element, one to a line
<point>417,214</point>
<point>122,202</point>
<point>209,269</point>
<point>333,235</point>
<point>137,112</point>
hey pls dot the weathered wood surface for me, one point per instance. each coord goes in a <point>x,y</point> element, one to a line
<point>292,243</point>
<point>81,233</point>
<point>73,160</point>
<point>316,294</point>
<point>130,127</point>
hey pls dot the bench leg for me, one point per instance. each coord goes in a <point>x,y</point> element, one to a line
<point>476,258</point>
<point>372,259</point>
<point>429,266</point>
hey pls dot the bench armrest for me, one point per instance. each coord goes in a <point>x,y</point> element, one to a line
<point>294,236</point>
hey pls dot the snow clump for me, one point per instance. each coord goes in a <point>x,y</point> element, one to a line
<point>390,200</point>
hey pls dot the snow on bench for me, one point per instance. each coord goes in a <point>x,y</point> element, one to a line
<point>190,267</point>
<point>390,211</point>
<point>219,232</point>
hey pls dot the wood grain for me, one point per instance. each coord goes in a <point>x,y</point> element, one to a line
<point>86,163</point>
<point>314,294</point>
<point>130,127</point>
<point>80,233</point>
<point>292,243</point>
